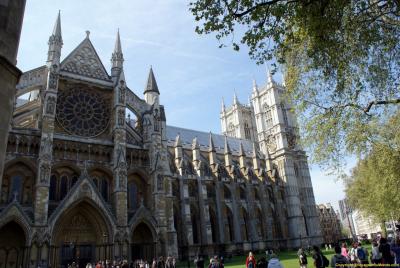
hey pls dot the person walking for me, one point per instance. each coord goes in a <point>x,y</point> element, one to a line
<point>376,256</point>
<point>320,261</point>
<point>302,258</point>
<point>274,262</point>
<point>338,260</point>
<point>250,261</point>
<point>384,249</point>
<point>396,251</point>
<point>362,254</point>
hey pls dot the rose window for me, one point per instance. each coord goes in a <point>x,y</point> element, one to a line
<point>82,113</point>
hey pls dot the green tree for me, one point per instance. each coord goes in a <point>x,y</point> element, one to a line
<point>374,184</point>
<point>341,60</point>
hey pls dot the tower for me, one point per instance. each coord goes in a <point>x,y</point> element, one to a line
<point>277,133</point>
<point>237,121</point>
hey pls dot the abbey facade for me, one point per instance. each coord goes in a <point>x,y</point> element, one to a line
<point>84,181</point>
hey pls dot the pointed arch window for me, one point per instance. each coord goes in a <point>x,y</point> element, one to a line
<point>231,130</point>
<point>16,187</point>
<point>132,195</point>
<point>268,116</point>
<point>284,113</point>
<point>247,133</point>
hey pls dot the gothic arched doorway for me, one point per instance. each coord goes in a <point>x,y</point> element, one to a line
<point>143,243</point>
<point>81,235</point>
<point>12,245</point>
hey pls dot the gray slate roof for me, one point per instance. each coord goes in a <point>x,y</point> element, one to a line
<point>187,136</point>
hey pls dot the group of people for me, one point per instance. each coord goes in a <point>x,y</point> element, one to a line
<point>215,262</point>
<point>170,262</point>
<point>382,254</point>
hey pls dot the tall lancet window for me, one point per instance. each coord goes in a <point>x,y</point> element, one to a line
<point>231,130</point>
<point>284,114</point>
<point>247,131</point>
<point>268,116</point>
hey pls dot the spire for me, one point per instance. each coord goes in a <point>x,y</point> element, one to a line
<point>250,103</point>
<point>117,57</point>
<point>211,143</point>
<point>270,79</point>
<point>227,150</point>
<point>223,105</point>
<point>235,99</point>
<point>57,27</point>
<point>178,147</point>
<point>151,83</point>
<point>55,43</point>
<point>255,88</point>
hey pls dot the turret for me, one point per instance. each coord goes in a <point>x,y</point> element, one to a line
<point>151,93</point>
<point>55,44</point>
<point>117,58</point>
<point>255,87</point>
<point>227,153</point>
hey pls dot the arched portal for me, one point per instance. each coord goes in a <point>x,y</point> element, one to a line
<point>81,235</point>
<point>143,243</point>
<point>12,245</point>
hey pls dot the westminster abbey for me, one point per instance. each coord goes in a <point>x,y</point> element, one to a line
<point>83,181</point>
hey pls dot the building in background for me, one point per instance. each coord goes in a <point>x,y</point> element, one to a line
<point>85,182</point>
<point>330,224</point>
<point>360,227</point>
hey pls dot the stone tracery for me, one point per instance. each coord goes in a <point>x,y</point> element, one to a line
<point>82,113</point>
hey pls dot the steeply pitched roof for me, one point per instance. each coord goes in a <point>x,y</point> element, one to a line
<point>151,83</point>
<point>203,138</point>
<point>84,61</point>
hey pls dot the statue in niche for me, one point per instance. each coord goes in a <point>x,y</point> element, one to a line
<point>45,147</point>
<point>51,105</point>
<point>159,182</point>
<point>121,117</point>
<point>122,93</point>
<point>44,172</point>
<point>157,120</point>
<point>53,77</point>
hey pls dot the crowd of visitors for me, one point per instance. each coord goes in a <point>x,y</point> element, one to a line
<point>170,262</point>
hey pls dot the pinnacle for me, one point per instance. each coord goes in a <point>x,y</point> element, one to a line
<point>151,83</point>
<point>57,26</point>
<point>117,48</point>
<point>211,143</point>
<point>227,150</point>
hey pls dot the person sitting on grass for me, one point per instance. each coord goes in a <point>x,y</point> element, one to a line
<point>274,262</point>
<point>338,260</point>
<point>320,261</point>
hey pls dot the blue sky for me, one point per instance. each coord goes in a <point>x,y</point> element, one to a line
<point>192,73</point>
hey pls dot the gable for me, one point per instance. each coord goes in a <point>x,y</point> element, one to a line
<point>84,61</point>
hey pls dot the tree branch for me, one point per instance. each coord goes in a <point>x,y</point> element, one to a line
<point>385,102</point>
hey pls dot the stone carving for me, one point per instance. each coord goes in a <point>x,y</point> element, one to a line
<point>51,105</point>
<point>82,112</point>
<point>157,120</point>
<point>46,148</point>
<point>291,140</point>
<point>122,93</point>
<point>53,80</point>
<point>122,177</point>
<point>84,61</point>
<point>121,117</point>
<point>45,172</point>
<point>271,143</point>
